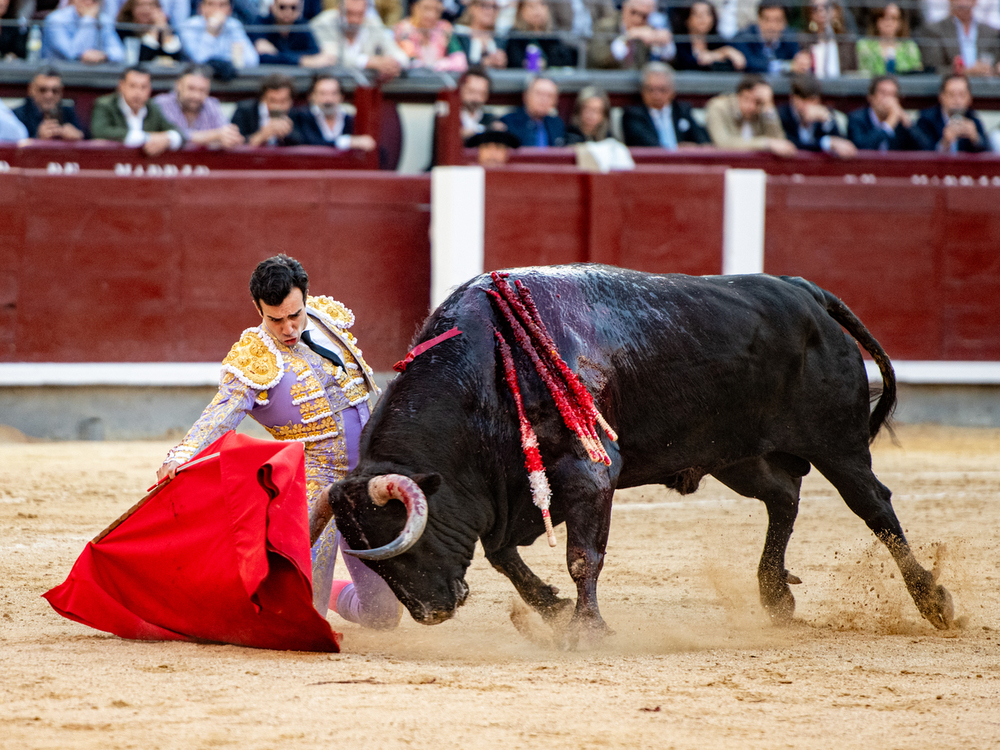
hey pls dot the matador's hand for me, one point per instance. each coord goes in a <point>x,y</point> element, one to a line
<point>169,469</point>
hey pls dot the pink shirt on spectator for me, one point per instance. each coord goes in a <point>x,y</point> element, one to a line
<point>209,118</point>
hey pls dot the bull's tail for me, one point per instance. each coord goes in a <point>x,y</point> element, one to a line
<point>841,313</point>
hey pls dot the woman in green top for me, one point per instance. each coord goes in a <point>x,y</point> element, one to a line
<point>888,48</point>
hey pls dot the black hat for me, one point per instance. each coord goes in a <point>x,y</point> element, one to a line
<point>502,137</point>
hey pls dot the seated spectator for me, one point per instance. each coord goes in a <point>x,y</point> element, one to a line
<point>477,36</point>
<point>810,125</point>
<point>13,38</point>
<point>627,41</point>
<point>534,124</point>
<point>734,15</point>
<point>128,116</point>
<point>591,120</point>
<point>883,125</point>
<point>390,12</point>
<point>265,121</point>
<point>580,16</point>
<point>953,126</point>
<point>324,122</point>
<point>529,47</point>
<point>156,40</point>
<point>474,92</point>
<point>493,147</point>
<point>747,120</point>
<point>767,45</point>
<point>43,112</point>
<point>826,48</point>
<point>283,45</point>
<point>11,129</point>
<point>661,121</point>
<point>959,43</point>
<point>80,31</point>
<point>215,37</point>
<point>427,39</point>
<point>888,47</point>
<point>196,115</point>
<point>700,52</point>
<point>355,38</point>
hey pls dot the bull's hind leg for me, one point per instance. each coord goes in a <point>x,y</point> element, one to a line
<point>871,501</point>
<point>775,480</point>
<point>537,594</point>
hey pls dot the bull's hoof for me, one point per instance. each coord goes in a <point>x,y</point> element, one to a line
<point>555,611</point>
<point>938,608</point>
<point>584,632</point>
<point>779,604</point>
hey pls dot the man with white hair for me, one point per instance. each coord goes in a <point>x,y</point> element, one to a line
<point>627,41</point>
<point>661,121</point>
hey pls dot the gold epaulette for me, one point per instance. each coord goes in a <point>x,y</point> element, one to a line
<point>338,313</point>
<point>254,360</point>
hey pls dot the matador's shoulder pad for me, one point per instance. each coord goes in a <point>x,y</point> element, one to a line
<point>255,360</point>
<point>338,313</point>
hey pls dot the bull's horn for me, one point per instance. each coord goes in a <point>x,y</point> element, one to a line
<point>382,489</point>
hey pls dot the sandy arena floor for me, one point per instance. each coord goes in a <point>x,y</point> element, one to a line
<point>694,663</point>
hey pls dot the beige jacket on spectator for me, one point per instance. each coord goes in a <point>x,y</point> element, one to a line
<point>375,39</point>
<point>725,125</point>
<point>562,12</point>
<point>599,54</point>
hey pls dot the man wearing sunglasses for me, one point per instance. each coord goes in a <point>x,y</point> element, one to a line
<point>631,41</point>
<point>285,42</point>
<point>44,114</point>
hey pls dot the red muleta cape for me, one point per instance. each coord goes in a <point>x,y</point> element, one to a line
<point>220,553</point>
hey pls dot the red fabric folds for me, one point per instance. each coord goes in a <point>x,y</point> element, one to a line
<point>220,553</point>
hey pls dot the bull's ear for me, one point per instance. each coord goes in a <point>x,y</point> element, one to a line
<point>429,483</point>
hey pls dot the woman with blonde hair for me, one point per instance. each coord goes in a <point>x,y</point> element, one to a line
<point>591,120</point>
<point>532,45</point>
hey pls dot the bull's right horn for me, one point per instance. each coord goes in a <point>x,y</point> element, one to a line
<point>381,489</point>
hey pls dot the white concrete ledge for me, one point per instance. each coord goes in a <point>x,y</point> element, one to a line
<point>915,372</point>
<point>109,373</point>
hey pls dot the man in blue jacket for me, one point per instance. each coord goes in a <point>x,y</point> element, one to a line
<point>534,124</point>
<point>884,125</point>
<point>284,43</point>
<point>44,114</point>
<point>767,44</point>
<point>952,126</point>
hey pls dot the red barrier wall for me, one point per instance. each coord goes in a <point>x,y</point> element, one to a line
<point>918,264</point>
<point>661,220</point>
<point>107,268</point>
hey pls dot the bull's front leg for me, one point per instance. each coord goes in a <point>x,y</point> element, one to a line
<point>537,594</point>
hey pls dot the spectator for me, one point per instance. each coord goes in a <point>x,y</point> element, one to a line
<point>357,39</point>
<point>826,48</point>
<point>265,121</point>
<point>390,12</point>
<point>215,37</point>
<point>532,47</point>
<point>477,35</point>
<point>283,45</point>
<point>128,116</point>
<point>427,39</point>
<point>591,118</point>
<point>80,31</point>
<point>883,125</point>
<point>953,125</point>
<point>627,41</point>
<point>493,147</point>
<point>474,92</point>
<point>810,125</point>
<point>661,121</point>
<point>747,120</point>
<point>580,16</point>
<point>767,45</point>
<point>960,43</point>
<point>534,124</point>
<point>734,15</point>
<point>44,114</point>
<point>11,129</point>
<point>701,52</point>
<point>196,115</point>
<point>888,47</point>
<point>156,40</point>
<point>13,38</point>
<point>324,122</point>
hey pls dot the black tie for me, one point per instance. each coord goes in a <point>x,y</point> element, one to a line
<point>322,350</point>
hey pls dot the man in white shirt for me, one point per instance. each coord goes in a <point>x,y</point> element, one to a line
<point>324,122</point>
<point>960,43</point>
<point>128,116</point>
<point>357,39</point>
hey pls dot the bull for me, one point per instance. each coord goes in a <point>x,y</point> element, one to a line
<point>750,379</point>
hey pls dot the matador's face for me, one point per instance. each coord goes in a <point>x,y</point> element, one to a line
<point>285,321</point>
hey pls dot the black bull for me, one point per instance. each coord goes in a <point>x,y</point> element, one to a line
<point>748,378</point>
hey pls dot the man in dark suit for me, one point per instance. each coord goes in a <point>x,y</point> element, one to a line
<point>324,122</point>
<point>43,112</point>
<point>810,125</point>
<point>661,121</point>
<point>264,121</point>
<point>474,92</point>
<point>767,44</point>
<point>128,116</point>
<point>883,125</point>
<point>533,124</point>
<point>960,43</point>
<point>953,126</point>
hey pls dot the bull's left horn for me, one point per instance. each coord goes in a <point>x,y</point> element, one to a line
<point>384,488</point>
